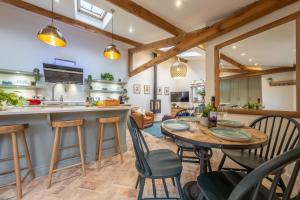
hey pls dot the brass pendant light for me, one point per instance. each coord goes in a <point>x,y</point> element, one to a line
<point>51,35</point>
<point>178,70</point>
<point>111,52</point>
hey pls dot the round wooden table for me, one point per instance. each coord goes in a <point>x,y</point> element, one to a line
<point>203,141</point>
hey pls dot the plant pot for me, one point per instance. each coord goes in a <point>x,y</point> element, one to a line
<point>3,105</point>
<point>204,121</point>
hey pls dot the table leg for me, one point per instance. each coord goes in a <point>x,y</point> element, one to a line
<point>191,189</point>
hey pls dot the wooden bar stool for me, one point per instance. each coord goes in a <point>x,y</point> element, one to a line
<point>15,131</point>
<point>59,125</point>
<point>99,148</point>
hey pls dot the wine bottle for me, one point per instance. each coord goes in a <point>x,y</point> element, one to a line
<point>213,113</point>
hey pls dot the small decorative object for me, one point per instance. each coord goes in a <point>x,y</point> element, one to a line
<point>107,76</point>
<point>146,89</point>
<point>89,78</point>
<point>202,93</point>
<point>159,90</point>
<point>173,105</point>
<point>10,98</point>
<point>105,89</point>
<point>136,88</point>
<point>119,80</point>
<point>178,70</point>
<point>36,74</point>
<point>166,91</point>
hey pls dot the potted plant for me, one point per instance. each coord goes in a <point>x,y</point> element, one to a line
<point>107,77</point>
<point>202,93</point>
<point>10,98</point>
<point>204,118</point>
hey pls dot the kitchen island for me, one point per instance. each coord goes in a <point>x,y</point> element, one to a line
<point>40,133</point>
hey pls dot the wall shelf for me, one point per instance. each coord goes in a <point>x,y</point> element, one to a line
<point>107,91</point>
<point>28,87</point>
<point>105,82</point>
<point>282,83</point>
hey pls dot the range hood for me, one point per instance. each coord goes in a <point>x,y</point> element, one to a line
<point>62,74</point>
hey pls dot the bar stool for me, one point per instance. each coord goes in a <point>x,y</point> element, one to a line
<point>59,125</point>
<point>15,131</point>
<point>99,148</point>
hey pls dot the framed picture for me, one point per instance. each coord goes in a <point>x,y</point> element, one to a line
<point>166,91</point>
<point>136,88</point>
<point>159,90</point>
<point>146,89</point>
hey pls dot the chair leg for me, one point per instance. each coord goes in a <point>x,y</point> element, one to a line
<point>209,169</point>
<point>165,187</point>
<point>200,197</point>
<point>137,181</point>
<point>100,146</point>
<point>81,149</point>
<point>53,156</point>
<point>222,162</point>
<point>97,143</point>
<point>173,181</point>
<point>181,153</point>
<point>118,140</point>
<point>282,185</point>
<point>142,185</point>
<point>27,155</point>
<point>178,150</point>
<point>180,192</point>
<point>16,165</point>
<point>153,188</point>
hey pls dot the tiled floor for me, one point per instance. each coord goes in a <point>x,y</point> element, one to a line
<point>113,181</point>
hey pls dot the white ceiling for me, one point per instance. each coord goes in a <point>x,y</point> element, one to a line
<point>191,15</point>
<point>273,48</point>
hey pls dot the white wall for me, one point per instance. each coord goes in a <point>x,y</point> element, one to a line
<point>279,97</point>
<point>20,50</point>
<point>196,71</point>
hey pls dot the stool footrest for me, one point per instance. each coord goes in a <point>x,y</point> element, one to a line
<point>68,147</point>
<point>10,158</point>
<point>14,183</point>
<point>67,167</point>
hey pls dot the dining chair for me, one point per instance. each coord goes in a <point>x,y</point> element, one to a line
<point>184,146</point>
<point>232,185</point>
<point>283,133</point>
<point>154,164</point>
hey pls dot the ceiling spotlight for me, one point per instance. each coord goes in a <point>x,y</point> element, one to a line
<point>130,29</point>
<point>178,3</point>
<point>57,1</point>
<point>234,47</point>
<point>255,64</point>
<point>250,59</point>
<point>243,54</point>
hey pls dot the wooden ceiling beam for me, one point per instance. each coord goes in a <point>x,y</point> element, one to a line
<point>73,22</point>
<point>260,73</point>
<point>146,15</point>
<point>232,61</point>
<point>248,14</point>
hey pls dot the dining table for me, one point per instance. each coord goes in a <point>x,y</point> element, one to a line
<point>204,140</point>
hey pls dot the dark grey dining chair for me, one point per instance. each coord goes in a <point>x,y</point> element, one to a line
<point>154,164</point>
<point>232,185</point>
<point>283,135</point>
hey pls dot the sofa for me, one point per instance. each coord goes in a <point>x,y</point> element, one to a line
<point>143,119</point>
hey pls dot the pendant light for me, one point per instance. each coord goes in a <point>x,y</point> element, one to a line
<point>111,51</point>
<point>178,70</point>
<point>51,35</point>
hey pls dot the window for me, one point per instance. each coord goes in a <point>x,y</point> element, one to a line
<point>90,9</point>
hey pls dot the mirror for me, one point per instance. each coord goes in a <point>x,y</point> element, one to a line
<point>257,71</point>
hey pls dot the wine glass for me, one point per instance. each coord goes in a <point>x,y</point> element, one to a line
<point>221,113</point>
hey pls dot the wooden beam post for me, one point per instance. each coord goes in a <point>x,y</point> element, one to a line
<point>232,61</point>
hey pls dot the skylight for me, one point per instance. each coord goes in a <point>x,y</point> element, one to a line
<point>90,9</point>
<point>190,54</point>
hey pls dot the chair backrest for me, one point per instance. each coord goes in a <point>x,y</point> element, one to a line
<point>183,113</point>
<point>249,187</point>
<point>283,134</point>
<point>140,147</point>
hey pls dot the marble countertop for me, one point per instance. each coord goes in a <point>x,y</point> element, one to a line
<point>59,109</point>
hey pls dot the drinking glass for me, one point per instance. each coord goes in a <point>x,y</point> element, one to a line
<point>221,113</point>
